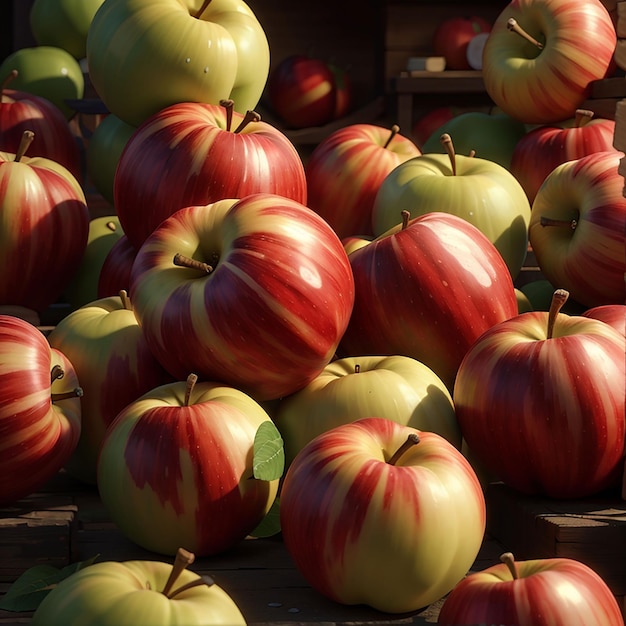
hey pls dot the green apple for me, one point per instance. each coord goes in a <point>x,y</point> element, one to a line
<point>63,23</point>
<point>492,136</point>
<point>395,387</point>
<point>523,302</point>
<point>128,593</point>
<point>46,71</point>
<point>144,55</point>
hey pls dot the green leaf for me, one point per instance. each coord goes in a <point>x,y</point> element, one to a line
<point>268,461</point>
<point>27,592</point>
<point>270,524</point>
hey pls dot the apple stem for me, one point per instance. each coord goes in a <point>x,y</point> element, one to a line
<point>548,221</point>
<point>412,440</point>
<point>183,559</point>
<point>406,216</point>
<point>77,392</point>
<point>509,560</point>
<point>201,580</point>
<point>184,261</point>
<point>472,153</point>
<point>192,379</point>
<point>9,79</point>
<point>446,142</point>
<point>27,139</point>
<point>250,116</point>
<point>395,129</point>
<point>512,25</point>
<point>229,105</point>
<point>582,117</point>
<point>559,298</point>
<point>112,226</point>
<point>357,369</point>
<point>205,4</point>
<point>123,294</point>
<point>56,373</point>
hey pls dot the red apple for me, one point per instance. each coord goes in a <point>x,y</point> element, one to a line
<point>541,399</point>
<point>557,591</point>
<point>116,267</point>
<point>195,153</point>
<point>427,290</point>
<point>346,169</point>
<point>429,122</point>
<point>612,314</point>
<point>40,411</point>
<point>344,90</point>
<point>255,293</point>
<point>452,37</point>
<point>378,513</point>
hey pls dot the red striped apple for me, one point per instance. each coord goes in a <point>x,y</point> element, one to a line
<point>541,57</point>
<point>374,512</point>
<point>193,153</point>
<point>612,314</point>
<point>541,399</point>
<point>40,410</point>
<point>255,293</point>
<point>558,591</point>
<point>176,468</point>
<point>345,171</point>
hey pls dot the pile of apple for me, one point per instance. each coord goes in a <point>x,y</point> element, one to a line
<point>356,315</point>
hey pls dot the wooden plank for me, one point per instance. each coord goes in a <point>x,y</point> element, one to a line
<point>620,19</point>
<point>619,134</point>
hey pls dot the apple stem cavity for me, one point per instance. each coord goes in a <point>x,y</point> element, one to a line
<point>192,379</point>
<point>250,116</point>
<point>201,580</point>
<point>77,392</point>
<point>205,4</point>
<point>395,129</point>
<point>513,26</point>
<point>412,440</point>
<point>446,142</point>
<point>184,261</point>
<point>27,139</point>
<point>509,560</point>
<point>548,221</point>
<point>56,373</point>
<point>123,294</point>
<point>582,117</point>
<point>229,105</point>
<point>183,559</point>
<point>559,298</point>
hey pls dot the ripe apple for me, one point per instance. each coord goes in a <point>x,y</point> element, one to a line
<point>255,293</point>
<point>40,411</point>
<point>426,124</point>
<point>427,290</point>
<point>195,153</point>
<point>612,314</point>
<point>21,111</point>
<point>44,228</point>
<point>452,36</point>
<point>46,71</point>
<point>578,229</point>
<point>540,378</point>
<point>544,147</point>
<point>560,591</point>
<point>138,592</point>
<point>477,190</point>
<point>205,51</point>
<point>302,91</point>
<point>395,387</point>
<point>114,364</point>
<point>116,267</point>
<point>63,23</point>
<point>541,57</point>
<point>490,135</point>
<point>344,90</point>
<point>345,171</point>
<point>374,512</point>
<point>199,484</point>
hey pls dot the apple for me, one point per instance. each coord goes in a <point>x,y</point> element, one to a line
<point>104,231</point>
<point>255,293</point>
<point>46,71</point>
<point>477,190</point>
<point>560,591</point>
<point>138,592</point>
<point>44,228</point>
<point>540,293</point>
<point>578,229</point>
<point>427,123</point>
<point>427,290</point>
<point>302,91</point>
<point>612,314</point>
<point>490,135</point>
<point>524,303</point>
<point>344,90</point>
<point>114,364</point>
<point>21,111</point>
<point>103,151</point>
<point>40,411</point>
<point>195,153</point>
<point>395,387</point>
<point>452,37</point>
<point>541,57</point>
<point>544,147</point>
<point>116,268</point>
<point>63,23</point>
<point>378,513</point>
<point>345,171</point>
<point>205,51</point>
<point>540,378</point>
<point>199,484</point>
